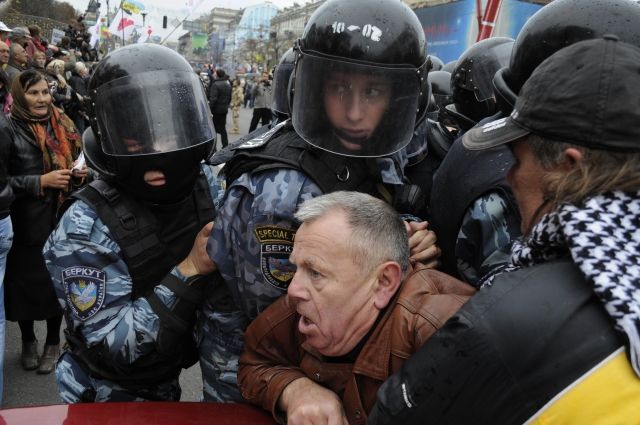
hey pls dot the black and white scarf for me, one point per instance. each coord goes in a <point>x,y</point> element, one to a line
<point>603,237</point>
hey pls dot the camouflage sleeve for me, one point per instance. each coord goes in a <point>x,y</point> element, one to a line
<point>93,286</point>
<point>484,241</point>
<point>216,184</point>
<point>253,235</point>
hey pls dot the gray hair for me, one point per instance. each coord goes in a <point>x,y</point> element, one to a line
<point>377,232</point>
<point>13,48</point>
<point>80,67</point>
<point>599,171</point>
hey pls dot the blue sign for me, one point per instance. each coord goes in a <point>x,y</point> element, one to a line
<point>453,27</point>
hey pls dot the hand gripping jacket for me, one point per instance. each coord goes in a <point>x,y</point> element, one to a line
<point>153,240</point>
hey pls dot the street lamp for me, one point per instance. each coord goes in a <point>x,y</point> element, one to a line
<point>144,15</point>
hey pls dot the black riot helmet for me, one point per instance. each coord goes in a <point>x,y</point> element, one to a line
<point>360,80</point>
<point>472,80</point>
<point>281,75</point>
<point>557,25</point>
<point>148,111</point>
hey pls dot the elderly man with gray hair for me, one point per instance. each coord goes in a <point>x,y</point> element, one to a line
<point>18,61</point>
<point>354,312</point>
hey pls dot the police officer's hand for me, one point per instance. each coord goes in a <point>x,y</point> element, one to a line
<point>306,402</point>
<point>56,179</point>
<point>422,244</point>
<point>198,261</point>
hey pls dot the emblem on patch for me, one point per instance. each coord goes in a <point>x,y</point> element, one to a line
<point>85,288</point>
<point>276,244</point>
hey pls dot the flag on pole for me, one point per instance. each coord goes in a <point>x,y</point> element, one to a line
<point>121,26</point>
<point>104,29</point>
<point>95,33</point>
<point>132,6</point>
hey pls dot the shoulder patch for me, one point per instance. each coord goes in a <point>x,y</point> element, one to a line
<point>85,288</point>
<point>276,244</point>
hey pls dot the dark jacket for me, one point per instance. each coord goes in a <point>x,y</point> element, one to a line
<point>12,71</point>
<point>6,140</point>
<point>219,95</point>
<point>276,353</point>
<point>508,352</point>
<point>79,87</point>
<point>29,294</point>
<point>33,213</point>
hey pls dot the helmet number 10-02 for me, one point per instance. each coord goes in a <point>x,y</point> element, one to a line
<point>368,31</point>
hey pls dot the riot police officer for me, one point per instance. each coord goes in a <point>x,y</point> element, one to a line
<point>127,257</point>
<point>359,87</point>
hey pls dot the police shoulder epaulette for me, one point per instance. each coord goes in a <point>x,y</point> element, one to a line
<point>263,138</point>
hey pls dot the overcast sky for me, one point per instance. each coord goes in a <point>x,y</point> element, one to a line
<point>178,9</point>
<point>181,5</point>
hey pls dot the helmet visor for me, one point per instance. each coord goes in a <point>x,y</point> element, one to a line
<point>153,112</point>
<point>354,109</point>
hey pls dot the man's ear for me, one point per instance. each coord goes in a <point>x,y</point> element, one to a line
<point>389,280</point>
<point>572,156</point>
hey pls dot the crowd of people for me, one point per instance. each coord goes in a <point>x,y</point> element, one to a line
<point>225,93</point>
<point>400,241</point>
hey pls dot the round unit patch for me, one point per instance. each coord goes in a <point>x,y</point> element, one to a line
<point>85,288</point>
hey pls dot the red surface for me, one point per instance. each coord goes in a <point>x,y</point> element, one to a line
<point>147,413</point>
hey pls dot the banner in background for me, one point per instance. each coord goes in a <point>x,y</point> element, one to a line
<point>199,41</point>
<point>56,36</point>
<point>453,27</point>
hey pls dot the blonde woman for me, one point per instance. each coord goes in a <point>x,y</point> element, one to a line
<point>60,89</point>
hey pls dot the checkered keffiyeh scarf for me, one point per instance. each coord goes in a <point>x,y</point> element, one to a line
<point>603,238</point>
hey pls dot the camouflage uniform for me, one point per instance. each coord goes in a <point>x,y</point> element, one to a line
<point>486,234</point>
<point>250,243</point>
<point>100,305</point>
<point>473,212</point>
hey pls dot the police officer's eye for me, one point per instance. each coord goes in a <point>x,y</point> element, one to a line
<point>376,92</point>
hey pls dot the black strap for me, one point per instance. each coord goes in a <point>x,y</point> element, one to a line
<point>286,149</point>
<point>149,249</point>
<point>189,291</point>
<point>168,319</point>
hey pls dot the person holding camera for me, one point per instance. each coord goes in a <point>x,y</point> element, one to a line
<point>262,102</point>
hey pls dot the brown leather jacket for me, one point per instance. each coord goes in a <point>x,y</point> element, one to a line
<point>275,352</point>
